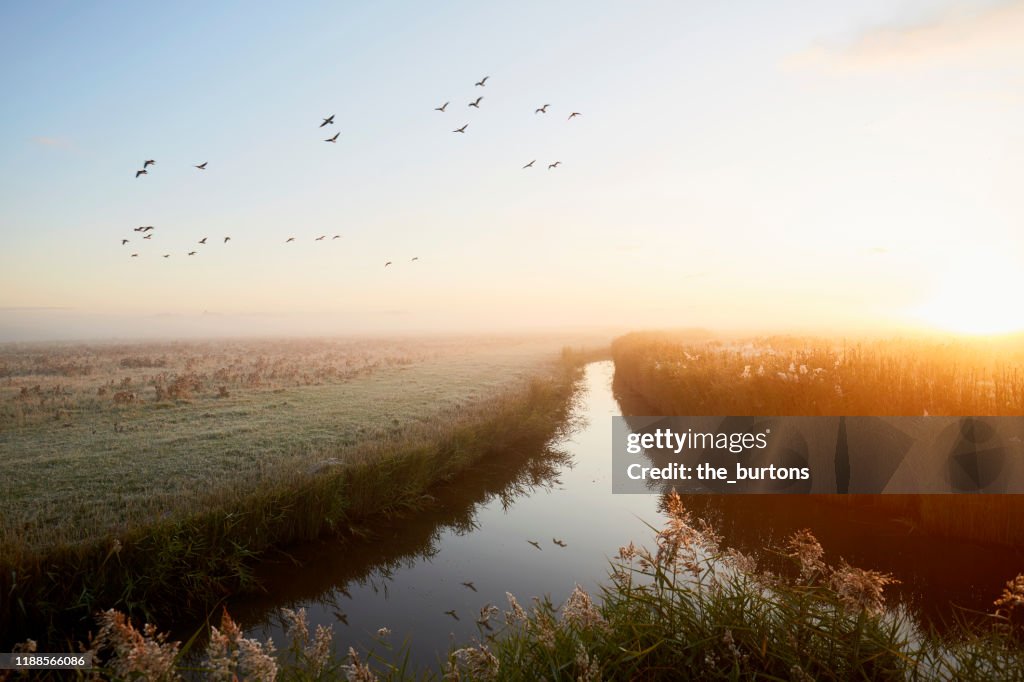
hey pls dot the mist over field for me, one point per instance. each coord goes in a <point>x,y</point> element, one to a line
<point>314,318</point>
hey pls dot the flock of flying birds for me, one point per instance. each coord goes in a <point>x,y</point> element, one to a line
<point>147,230</point>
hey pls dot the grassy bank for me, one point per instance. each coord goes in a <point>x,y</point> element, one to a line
<point>182,560</point>
<point>686,608</point>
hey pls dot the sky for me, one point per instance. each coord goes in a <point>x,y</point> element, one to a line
<point>783,166</point>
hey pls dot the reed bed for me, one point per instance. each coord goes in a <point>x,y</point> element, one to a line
<point>810,376</point>
<point>665,373</point>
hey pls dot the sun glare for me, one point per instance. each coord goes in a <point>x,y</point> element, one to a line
<point>977,299</point>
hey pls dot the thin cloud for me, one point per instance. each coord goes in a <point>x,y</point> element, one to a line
<point>958,36</point>
<point>31,308</point>
<point>52,142</point>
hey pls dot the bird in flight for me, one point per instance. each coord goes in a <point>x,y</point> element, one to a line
<point>141,172</point>
<point>452,614</point>
<point>462,129</point>
<point>328,121</point>
<point>476,102</point>
<point>333,139</point>
<point>143,228</point>
<point>482,82</point>
<point>573,115</point>
<point>320,238</point>
<point>203,240</point>
<point>415,258</point>
<point>535,544</point>
<point>167,255</point>
<point>530,165</point>
<point>192,253</point>
<point>227,239</point>
<point>290,239</point>
<point>148,236</point>
<point>149,162</point>
<point>543,109</point>
<point>558,542</point>
<point>337,236</point>
<point>556,164</point>
<point>135,255</point>
<point>387,264</point>
<point>123,242</point>
<point>202,166</point>
<point>442,107</point>
<point>470,585</point>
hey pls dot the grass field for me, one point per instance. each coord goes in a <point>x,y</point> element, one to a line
<point>103,466</point>
<point>177,491</point>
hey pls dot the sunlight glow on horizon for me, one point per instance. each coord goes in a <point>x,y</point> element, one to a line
<point>976,297</point>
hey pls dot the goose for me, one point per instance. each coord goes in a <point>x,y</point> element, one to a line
<point>462,129</point>
<point>141,172</point>
<point>482,82</point>
<point>543,109</point>
<point>530,165</point>
<point>202,166</point>
<point>476,102</point>
<point>442,107</point>
<point>328,121</point>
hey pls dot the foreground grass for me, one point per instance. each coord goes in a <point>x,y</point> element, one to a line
<point>203,542</point>
<point>686,609</point>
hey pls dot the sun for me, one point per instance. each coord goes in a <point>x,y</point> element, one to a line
<point>979,298</point>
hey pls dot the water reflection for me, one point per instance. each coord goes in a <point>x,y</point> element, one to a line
<point>323,577</point>
<point>532,525</point>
